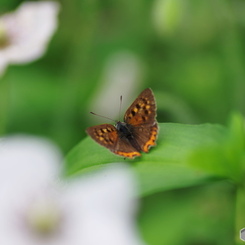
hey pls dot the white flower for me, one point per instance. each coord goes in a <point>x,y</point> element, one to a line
<point>24,34</point>
<point>122,75</point>
<point>37,209</point>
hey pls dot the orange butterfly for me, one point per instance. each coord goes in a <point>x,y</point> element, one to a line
<point>136,134</point>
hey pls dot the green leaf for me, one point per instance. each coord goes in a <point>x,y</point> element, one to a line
<point>225,157</point>
<point>165,167</point>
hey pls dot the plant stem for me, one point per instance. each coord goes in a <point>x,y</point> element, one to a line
<point>240,214</point>
<point>4,97</point>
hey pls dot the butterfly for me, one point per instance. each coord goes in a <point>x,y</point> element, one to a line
<point>136,134</point>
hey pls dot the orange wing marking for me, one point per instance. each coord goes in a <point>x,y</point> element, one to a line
<point>152,141</point>
<point>128,154</point>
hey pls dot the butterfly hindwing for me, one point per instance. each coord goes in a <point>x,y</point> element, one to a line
<point>145,136</point>
<point>125,149</point>
<point>142,110</point>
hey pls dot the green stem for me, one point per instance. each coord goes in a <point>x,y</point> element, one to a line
<point>4,98</point>
<point>240,214</point>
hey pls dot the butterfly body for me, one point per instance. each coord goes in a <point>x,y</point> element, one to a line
<point>136,134</point>
<point>126,132</point>
<point>123,130</point>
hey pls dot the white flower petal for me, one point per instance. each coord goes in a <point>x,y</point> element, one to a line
<point>24,160</point>
<point>29,30</point>
<point>107,205</point>
<point>28,168</point>
<point>122,76</point>
<point>95,209</point>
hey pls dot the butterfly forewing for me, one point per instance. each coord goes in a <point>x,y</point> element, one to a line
<point>142,110</point>
<point>104,134</point>
<point>107,135</point>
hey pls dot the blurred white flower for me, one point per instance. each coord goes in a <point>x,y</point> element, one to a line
<point>24,34</point>
<point>37,209</point>
<point>122,75</point>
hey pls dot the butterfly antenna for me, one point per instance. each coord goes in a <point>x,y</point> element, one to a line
<point>120,107</point>
<point>102,116</point>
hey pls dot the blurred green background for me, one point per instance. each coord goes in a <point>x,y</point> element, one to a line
<point>190,52</point>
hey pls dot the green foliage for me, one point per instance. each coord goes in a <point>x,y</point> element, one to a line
<point>225,156</point>
<point>199,215</point>
<point>164,168</point>
<point>192,56</point>
<point>186,156</point>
